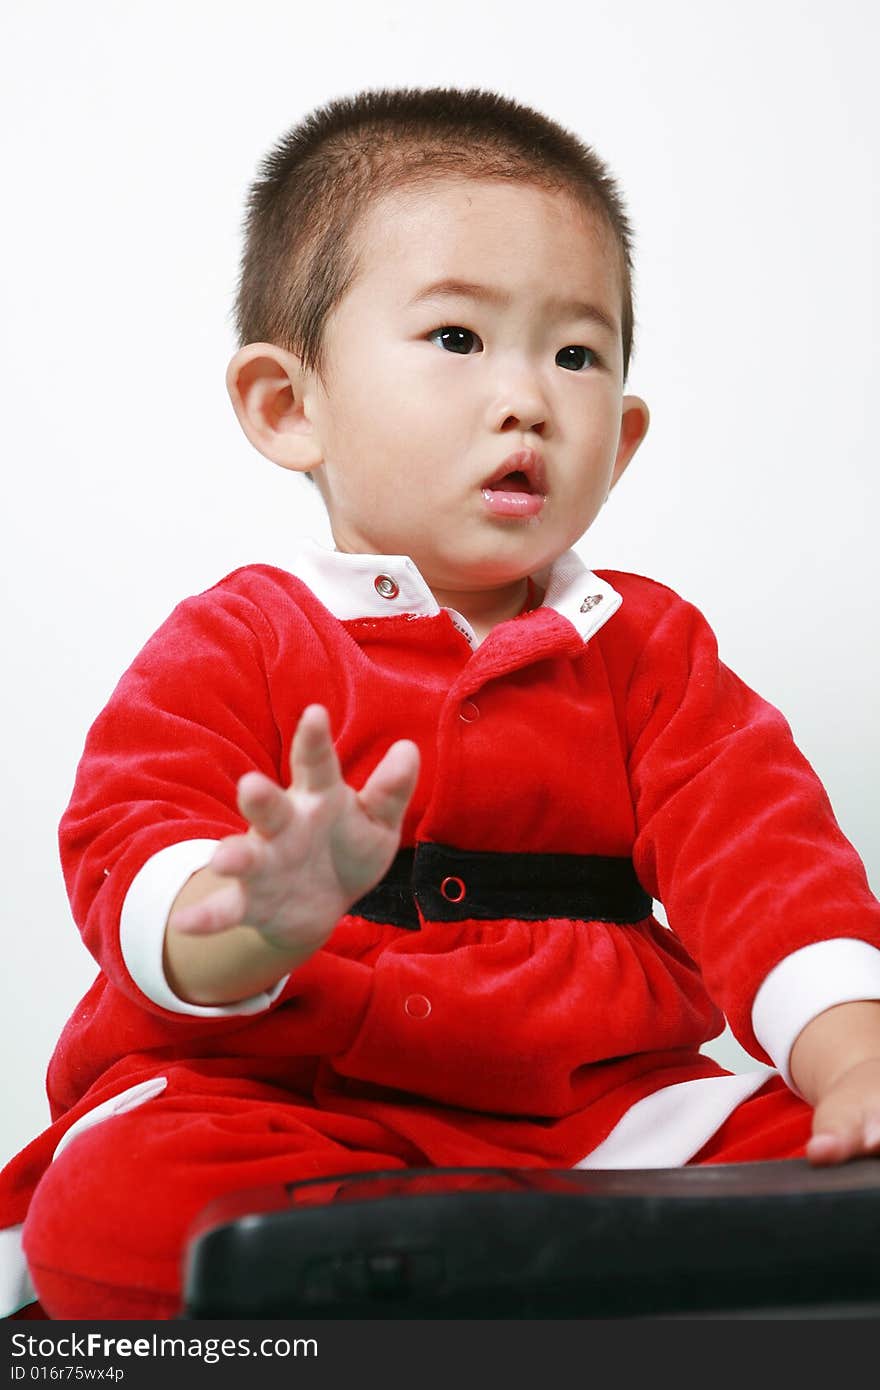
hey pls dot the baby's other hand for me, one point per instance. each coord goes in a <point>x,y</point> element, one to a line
<point>311,851</point>
<point>846,1121</point>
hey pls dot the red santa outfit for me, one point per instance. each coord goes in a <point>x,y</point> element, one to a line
<point>504,996</point>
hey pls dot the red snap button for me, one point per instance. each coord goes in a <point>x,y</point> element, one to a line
<point>469,712</point>
<point>385,586</point>
<point>453,889</point>
<point>417,1006</point>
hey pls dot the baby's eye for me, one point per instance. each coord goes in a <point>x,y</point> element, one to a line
<point>574,359</point>
<point>455,339</point>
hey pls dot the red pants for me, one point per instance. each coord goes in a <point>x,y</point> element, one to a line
<point>108,1224</point>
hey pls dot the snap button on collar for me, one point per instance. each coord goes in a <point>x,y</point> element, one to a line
<point>590,602</point>
<point>385,586</point>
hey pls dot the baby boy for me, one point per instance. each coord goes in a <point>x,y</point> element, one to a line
<point>367,849</point>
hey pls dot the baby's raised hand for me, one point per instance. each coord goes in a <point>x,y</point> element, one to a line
<point>311,851</point>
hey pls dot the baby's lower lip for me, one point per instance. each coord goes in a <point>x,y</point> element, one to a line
<point>515,504</point>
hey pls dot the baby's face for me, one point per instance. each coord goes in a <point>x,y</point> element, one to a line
<point>473,426</point>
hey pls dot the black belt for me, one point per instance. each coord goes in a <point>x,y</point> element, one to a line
<point>454,885</point>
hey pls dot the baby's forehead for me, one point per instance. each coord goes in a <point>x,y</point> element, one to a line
<point>451,228</point>
<point>460,196</point>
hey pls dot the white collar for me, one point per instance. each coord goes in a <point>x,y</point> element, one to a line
<point>381,586</point>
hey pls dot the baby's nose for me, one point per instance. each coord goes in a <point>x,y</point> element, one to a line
<point>519,401</point>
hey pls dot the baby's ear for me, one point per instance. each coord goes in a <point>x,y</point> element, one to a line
<point>266,385</point>
<point>634,421</point>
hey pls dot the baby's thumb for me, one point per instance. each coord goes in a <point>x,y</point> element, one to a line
<point>385,795</point>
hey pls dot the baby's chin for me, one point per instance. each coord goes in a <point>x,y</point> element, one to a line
<point>480,573</point>
<point>459,552</point>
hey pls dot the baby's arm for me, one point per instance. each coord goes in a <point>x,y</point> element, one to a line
<point>271,897</point>
<point>835,1064</point>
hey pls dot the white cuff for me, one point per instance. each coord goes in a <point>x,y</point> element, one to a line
<point>805,984</point>
<point>142,929</point>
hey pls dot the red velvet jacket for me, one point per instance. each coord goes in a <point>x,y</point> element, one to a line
<point>627,742</point>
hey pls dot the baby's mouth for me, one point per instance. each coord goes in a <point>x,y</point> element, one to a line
<point>511,482</point>
<point>522,471</point>
<point>517,488</point>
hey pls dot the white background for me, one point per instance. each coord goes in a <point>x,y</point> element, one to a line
<point>746,139</point>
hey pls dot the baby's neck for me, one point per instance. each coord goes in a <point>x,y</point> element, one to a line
<point>485,609</point>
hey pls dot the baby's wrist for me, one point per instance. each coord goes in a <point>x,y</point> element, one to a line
<point>833,1043</point>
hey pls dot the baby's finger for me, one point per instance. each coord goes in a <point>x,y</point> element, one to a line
<point>263,803</point>
<point>827,1148</point>
<point>387,791</point>
<point>239,855</point>
<point>216,913</point>
<point>837,1135</point>
<point>872,1134</point>
<point>313,762</point>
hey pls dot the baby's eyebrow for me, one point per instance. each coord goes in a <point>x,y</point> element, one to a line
<point>467,289</point>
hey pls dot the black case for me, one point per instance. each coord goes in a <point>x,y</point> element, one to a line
<point>757,1239</point>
